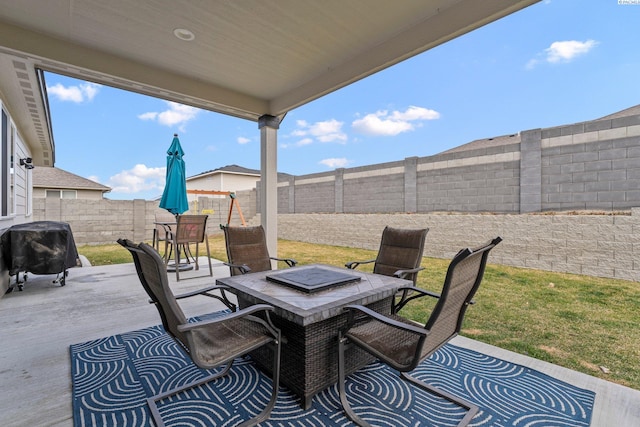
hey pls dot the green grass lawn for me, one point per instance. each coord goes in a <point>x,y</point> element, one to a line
<point>588,324</point>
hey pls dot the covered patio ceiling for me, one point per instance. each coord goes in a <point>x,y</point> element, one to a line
<point>248,58</point>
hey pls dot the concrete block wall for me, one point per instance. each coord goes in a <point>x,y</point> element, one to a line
<point>480,180</point>
<point>372,189</point>
<point>479,193</point>
<point>95,222</point>
<point>585,166</point>
<point>248,200</point>
<point>472,181</point>
<point>591,165</point>
<point>99,221</point>
<point>218,209</point>
<point>313,194</point>
<point>285,200</point>
<point>594,245</point>
<point>530,172</point>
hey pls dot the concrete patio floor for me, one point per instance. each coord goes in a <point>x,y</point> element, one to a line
<point>39,324</point>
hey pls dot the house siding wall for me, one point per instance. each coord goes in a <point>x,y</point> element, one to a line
<point>221,182</point>
<point>21,184</point>
<point>80,193</point>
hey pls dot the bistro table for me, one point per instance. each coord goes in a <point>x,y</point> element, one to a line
<point>310,320</point>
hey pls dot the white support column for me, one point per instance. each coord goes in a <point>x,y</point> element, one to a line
<point>268,126</point>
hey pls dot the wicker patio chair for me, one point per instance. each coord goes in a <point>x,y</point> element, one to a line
<point>399,255</point>
<point>190,229</point>
<point>209,343</point>
<point>247,250</point>
<point>401,343</point>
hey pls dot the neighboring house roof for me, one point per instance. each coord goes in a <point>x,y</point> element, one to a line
<point>234,169</point>
<point>515,138</point>
<point>631,111</point>
<point>486,143</point>
<point>45,177</point>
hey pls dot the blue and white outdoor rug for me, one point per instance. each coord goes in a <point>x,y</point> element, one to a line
<point>113,376</point>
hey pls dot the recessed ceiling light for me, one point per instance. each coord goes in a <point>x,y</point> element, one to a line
<point>184,34</point>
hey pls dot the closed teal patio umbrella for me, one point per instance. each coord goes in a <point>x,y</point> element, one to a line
<point>174,196</point>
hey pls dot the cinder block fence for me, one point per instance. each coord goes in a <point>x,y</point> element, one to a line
<point>603,245</point>
<point>513,186</point>
<point>598,245</point>
<point>96,222</point>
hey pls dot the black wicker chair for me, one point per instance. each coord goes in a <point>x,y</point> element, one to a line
<point>247,250</point>
<point>399,255</point>
<point>400,342</point>
<point>209,343</point>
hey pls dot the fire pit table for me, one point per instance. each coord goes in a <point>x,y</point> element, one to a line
<point>310,318</point>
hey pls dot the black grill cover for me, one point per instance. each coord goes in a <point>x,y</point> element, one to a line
<point>40,247</point>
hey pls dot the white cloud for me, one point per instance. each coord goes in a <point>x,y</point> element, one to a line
<point>532,63</point>
<point>391,124</point>
<point>377,124</point>
<point>94,178</point>
<point>326,131</point>
<point>415,113</point>
<point>335,162</point>
<point>148,116</point>
<point>78,94</point>
<point>567,50</point>
<point>304,141</point>
<point>242,140</point>
<point>300,143</point>
<point>137,179</point>
<point>563,52</point>
<point>177,114</point>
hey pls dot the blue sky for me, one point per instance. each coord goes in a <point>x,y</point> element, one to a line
<point>555,63</point>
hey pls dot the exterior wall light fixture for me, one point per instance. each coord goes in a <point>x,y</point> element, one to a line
<point>27,162</point>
